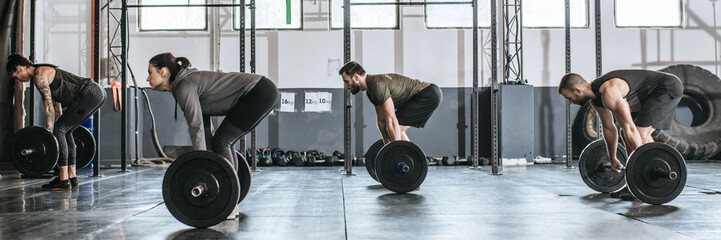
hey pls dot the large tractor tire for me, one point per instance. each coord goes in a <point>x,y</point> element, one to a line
<point>696,132</point>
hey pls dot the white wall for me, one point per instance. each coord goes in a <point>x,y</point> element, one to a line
<point>298,59</point>
<point>622,48</point>
<point>63,34</point>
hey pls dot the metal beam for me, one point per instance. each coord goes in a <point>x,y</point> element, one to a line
<point>31,91</point>
<point>124,82</point>
<point>254,167</point>
<point>241,30</point>
<point>184,5</point>
<point>96,75</point>
<point>412,3</point>
<point>346,93</point>
<point>496,162</point>
<point>474,97</point>
<point>599,57</point>
<point>569,124</point>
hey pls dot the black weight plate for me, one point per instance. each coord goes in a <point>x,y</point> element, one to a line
<point>590,166</point>
<point>84,147</point>
<point>210,170</point>
<point>392,158</point>
<point>644,185</point>
<point>243,176</point>
<point>45,151</point>
<point>370,157</point>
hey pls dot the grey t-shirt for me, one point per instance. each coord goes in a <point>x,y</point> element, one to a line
<point>211,93</point>
<point>395,86</point>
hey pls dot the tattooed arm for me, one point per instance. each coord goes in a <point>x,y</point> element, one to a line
<point>43,77</point>
<point>58,110</point>
<point>19,107</point>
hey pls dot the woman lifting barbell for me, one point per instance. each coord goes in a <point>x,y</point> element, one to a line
<point>81,97</point>
<point>244,98</point>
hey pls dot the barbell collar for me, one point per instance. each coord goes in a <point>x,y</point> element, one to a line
<point>27,151</point>
<point>198,191</point>
<point>663,174</point>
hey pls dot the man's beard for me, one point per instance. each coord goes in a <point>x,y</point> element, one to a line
<point>354,90</point>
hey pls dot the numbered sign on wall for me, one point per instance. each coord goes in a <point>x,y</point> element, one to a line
<point>318,101</point>
<point>287,102</point>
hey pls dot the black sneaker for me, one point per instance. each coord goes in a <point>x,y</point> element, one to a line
<point>623,194</point>
<point>57,185</point>
<point>617,194</point>
<point>74,182</point>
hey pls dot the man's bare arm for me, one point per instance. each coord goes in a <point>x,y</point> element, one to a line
<point>614,101</point>
<point>381,120</point>
<point>387,115</point>
<point>610,135</point>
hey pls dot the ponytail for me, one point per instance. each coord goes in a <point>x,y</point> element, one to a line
<point>183,62</point>
<point>169,61</point>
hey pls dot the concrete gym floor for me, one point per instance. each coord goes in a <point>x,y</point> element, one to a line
<point>533,202</point>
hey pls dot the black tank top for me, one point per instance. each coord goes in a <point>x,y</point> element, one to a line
<point>641,84</point>
<point>65,86</point>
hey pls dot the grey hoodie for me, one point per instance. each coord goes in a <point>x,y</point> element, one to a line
<point>206,92</point>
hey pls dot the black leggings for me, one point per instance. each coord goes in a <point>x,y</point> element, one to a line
<point>243,117</point>
<point>88,101</point>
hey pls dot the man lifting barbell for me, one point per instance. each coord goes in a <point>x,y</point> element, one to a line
<point>641,101</point>
<point>400,102</point>
<point>81,97</point>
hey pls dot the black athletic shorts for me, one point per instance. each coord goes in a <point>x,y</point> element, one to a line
<point>420,107</point>
<point>657,110</point>
<point>252,108</point>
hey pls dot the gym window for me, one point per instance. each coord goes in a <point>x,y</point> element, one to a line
<point>552,14</point>
<point>457,16</point>
<point>172,18</point>
<point>271,15</point>
<point>649,13</point>
<point>365,17</point>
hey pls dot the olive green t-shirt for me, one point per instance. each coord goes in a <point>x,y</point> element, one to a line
<point>390,85</point>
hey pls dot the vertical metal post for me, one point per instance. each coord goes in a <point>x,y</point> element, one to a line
<point>599,69</point>
<point>124,82</point>
<point>31,89</point>
<point>108,53</point>
<point>252,70</point>
<point>715,42</point>
<point>347,96</point>
<point>496,162</point>
<point>569,149</point>
<point>599,55</point>
<point>215,39</point>
<point>474,97</point>
<point>519,40</point>
<point>241,30</point>
<point>96,76</point>
<point>512,35</point>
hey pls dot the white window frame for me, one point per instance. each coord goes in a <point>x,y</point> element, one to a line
<point>236,17</point>
<point>140,22</point>
<point>426,14</point>
<point>330,17</point>
<point>682,16</point>
<point>586,25</point>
